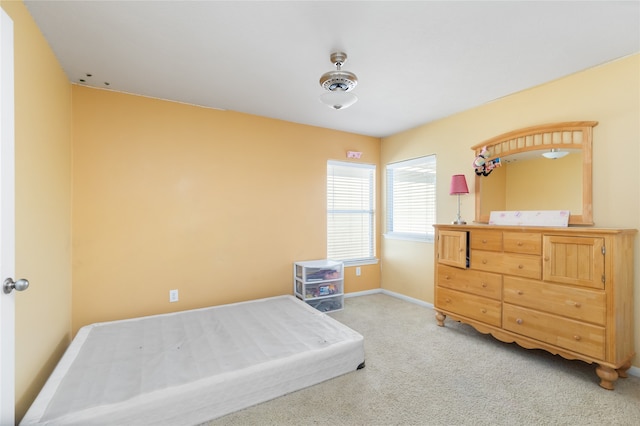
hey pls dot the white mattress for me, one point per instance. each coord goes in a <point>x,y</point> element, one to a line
<point>193,366</point>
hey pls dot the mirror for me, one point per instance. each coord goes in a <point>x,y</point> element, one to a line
<point>528,181</point>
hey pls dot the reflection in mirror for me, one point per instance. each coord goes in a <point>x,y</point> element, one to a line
<point>533,182</point>
<point>528,181</point>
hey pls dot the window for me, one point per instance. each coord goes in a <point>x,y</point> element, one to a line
<point>351,212</point>
<point>411,198</point>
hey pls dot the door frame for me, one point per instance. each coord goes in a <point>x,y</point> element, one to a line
<point>7,221</point>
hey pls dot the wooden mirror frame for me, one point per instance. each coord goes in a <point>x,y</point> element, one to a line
<point>566,135</point>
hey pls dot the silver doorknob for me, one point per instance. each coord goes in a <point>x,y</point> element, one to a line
<point>9,285</point>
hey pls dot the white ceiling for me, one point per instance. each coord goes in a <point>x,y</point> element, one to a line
<point>416,61</point>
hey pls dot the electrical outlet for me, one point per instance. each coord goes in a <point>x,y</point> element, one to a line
<point>358,271</point>
<point>173,296</point>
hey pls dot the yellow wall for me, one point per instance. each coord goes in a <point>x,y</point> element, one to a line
<point>216,204</point>
<point>494,191</point>
<point>609,94</point>
<point>43,206</point>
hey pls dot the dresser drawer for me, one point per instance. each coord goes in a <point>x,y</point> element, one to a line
<point>576,303</point>
<point>476,282</point>
<point>486,240</point>
<point>522,242</point>
<point>522,265</point>
<point>569,334</point>
<point>469,305</point>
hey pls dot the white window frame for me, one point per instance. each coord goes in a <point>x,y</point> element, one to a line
<point>411,199</point>
<point>357,202</point>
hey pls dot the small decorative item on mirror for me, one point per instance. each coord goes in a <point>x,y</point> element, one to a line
<point>482,165</point>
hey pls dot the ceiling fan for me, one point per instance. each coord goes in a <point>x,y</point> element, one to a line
<point>338,84</point>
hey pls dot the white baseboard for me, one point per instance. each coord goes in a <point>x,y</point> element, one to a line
<point>363,293</point>
<point>392,294</point>
<point>634,371</point>
<point>408,299</point>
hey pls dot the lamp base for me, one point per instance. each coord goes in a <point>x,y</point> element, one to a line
<point>459,222</point>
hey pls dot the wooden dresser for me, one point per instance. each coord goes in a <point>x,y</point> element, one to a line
<point>568,291</point>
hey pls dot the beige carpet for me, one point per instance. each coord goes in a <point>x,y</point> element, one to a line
<point>420,374</point>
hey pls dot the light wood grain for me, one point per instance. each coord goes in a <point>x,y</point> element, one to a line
<point>520,265</point>
<point>452,248</point>
<point>568,291</point>
<point>582,304</point>
<point>565,135</point>
<point>486,240</point>
<point>574,260</point>
<point>522,242</point>
<point>470,281</point>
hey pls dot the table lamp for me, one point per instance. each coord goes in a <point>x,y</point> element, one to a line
<point>458,186</point>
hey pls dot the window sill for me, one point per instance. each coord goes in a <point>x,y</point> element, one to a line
<point>409,237</point>
<point>360,262</point>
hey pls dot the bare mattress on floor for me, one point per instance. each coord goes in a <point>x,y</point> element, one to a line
<point>192,366</point>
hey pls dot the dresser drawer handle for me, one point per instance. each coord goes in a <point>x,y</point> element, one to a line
<point>446,277</point>
<point>484,241</point>
<point>520,292</point>
<point>484,261</point>
<point>577,304</point>
<point>484,311</point>
<point>519,321</point>
<point>578,338</point>
<point>520,266</point>
<point>484,285</point>
<point>447,300</point>
<point>519,243</point>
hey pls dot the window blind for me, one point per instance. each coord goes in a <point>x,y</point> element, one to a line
<point>411,198</point>
<point>351,212</point>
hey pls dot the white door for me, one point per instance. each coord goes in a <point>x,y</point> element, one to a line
<point>7,224</point>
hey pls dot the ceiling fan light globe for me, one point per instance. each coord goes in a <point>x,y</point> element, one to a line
<point>554,154</point>
<point>338,99</point>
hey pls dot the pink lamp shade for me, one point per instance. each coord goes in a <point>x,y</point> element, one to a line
<point>458,185</point>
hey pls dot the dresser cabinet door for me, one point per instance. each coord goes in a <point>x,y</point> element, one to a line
<point>574,260</point>
<point>453,248</point>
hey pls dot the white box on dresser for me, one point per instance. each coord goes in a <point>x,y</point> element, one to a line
<point>568,291</point>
